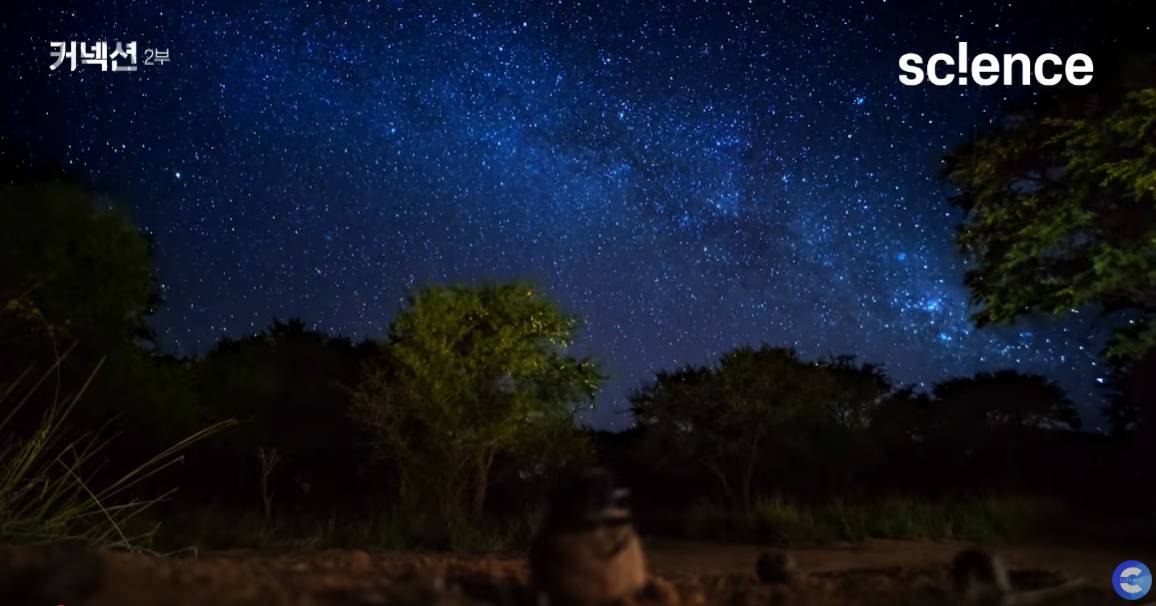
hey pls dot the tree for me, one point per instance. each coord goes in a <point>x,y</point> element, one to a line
<point>1005,400</point>
<point>754,409</point>
<point>1132,415</point>
<point>468,375</point>
<point>75,270</point>
<point>73,266</point>
<point>840,448</point>
<point>906,459</point>
<point>283,384</point>
<point>1061,215</point>
<point>1060,199</point>
<point>1133,397</point>
<point>994,428</point>
<point>851,391</point>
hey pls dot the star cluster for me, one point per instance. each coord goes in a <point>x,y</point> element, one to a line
<point>686,177</point>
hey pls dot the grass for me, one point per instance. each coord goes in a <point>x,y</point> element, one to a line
<point>779,521</point>
<point>210,528</point>
<point>48,493</point>
<point>47,488</point>
<point>510,533</point>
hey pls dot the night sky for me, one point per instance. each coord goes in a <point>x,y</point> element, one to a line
<point>686,177</point>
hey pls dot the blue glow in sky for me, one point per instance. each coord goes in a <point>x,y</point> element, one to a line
<point>686,177</point>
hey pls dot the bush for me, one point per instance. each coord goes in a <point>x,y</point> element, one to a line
<point>467,377</point>
<point>1001,518</point>
<point>709,520</point>
<point>510,533</point>
<point>778,521</point>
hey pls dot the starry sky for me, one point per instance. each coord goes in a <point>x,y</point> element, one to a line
<point>685,176</point>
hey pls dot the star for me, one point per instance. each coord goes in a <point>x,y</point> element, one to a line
<point>685,181</point>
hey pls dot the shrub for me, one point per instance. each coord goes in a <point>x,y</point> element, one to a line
<point>778,521</point>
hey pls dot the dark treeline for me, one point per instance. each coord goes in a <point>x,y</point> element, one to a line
<point>763,422</point>
<point>468,404</point>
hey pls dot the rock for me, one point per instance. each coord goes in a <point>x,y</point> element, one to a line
<point>775,567</point>
<point>359,561</point>
<point>979,575</point>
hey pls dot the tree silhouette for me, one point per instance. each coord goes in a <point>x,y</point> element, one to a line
<point>754,411</point>
<point>1005,400</point>
<point>83,270</point>
<point>1132,410</point>
<point>76,270</point>
<point>852,391</point>
<point>289,387</point>
<point>990,429</point>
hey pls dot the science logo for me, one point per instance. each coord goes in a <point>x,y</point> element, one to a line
<point>1132,580</point>
<point>986,69</point>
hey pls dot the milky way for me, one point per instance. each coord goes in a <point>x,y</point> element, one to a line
<point>685,177</point>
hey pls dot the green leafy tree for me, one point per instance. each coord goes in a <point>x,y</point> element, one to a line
<point>1061,209</point>
<point>468,375</point>
<point>1061,215</point>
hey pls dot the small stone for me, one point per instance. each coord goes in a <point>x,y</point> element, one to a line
<point>359,561</point>
<point>775,567</point>
<point>979,575</point>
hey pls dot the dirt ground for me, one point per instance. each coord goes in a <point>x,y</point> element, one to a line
<point>875,573</point>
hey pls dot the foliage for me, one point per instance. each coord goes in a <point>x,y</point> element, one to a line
<point>1132,413</point>
<point>468,375</point>
<point>755,406</point>
<point>79,268</point>
<point>47,479</point>
<point>76,273</point>
<point>1061,215</point>
<point>1061,211</point>
<point>780,521</point>
<point>1134,395</point>
<point>765,422</point>
<point>289,386</point>
<point>903,416</point>
<point>990,430</point>
<point>851,392</point>
<point>1003,400</point>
